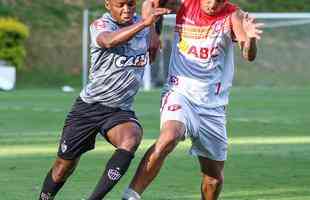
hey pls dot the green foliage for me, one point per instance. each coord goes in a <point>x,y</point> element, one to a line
<point>14,55</point>
<point>5,10</point>
<point>12,36</point>
<point>274,5</point>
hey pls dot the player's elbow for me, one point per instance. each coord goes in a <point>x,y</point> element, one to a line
<point>249,57</point>
<point>105,42</point>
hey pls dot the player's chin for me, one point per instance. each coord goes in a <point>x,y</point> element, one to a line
<point>127,19</point>
<point>211,12</point>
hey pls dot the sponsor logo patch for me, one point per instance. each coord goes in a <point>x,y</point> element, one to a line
<point>136,61</point>
<point>174,107</point>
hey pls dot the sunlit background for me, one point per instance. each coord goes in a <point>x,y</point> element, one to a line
<point>268,117</point>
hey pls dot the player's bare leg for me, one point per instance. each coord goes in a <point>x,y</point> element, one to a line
<point>154,158</point>
<point>126,137</point>
<point>62,169</point>
<point>212,178</point>
<point>57,176</point>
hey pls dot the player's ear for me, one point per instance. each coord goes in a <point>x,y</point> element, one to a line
<point>107,4</point>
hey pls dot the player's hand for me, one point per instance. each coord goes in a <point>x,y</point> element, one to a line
<point>150,13</point>
<point>154,15</point>
<point>155,3</point>
<point>251,27</point>
<point>147,8</point>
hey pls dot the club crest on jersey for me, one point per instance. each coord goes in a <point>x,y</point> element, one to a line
<point>218,26</point>
<point>174,80</point>
<point>64,146</point>
<point>100,24</point>
<point>132,61</point>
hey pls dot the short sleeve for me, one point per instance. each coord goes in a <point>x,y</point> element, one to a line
<point>97,27</point>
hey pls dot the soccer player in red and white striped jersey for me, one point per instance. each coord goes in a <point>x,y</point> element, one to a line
<point>197,90</point>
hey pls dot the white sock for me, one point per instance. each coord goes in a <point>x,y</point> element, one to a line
<point>130,194</point>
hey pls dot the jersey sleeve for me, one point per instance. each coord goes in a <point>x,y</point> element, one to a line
<point>97,27</point>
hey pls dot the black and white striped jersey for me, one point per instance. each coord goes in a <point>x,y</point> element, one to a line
<point>116,73</point>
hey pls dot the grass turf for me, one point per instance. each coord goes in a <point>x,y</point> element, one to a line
<point>268,153</point>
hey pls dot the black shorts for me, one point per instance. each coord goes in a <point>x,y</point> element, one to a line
<point>84,122</point>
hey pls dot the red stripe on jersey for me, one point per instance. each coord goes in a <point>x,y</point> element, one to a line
<point>191,13</point>
<point>164,101</point>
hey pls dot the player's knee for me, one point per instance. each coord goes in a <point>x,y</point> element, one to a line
<point>212,184</point>
<point>62,170</point>
<point>131,142</point>
<point>166,145</point>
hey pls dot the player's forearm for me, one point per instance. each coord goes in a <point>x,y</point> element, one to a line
<point>112,39</point>
<point>249,49</point>
<point>154,44</point>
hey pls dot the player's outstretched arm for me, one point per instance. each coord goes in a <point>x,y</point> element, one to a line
<point>112,39</point>
<point>247,32</point>
<point>148,7</point>
<point>154,43</point>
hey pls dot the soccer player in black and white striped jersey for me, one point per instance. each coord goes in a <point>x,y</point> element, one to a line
<point>120,44</point>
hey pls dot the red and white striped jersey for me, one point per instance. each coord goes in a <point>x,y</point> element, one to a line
<point>202,64</point>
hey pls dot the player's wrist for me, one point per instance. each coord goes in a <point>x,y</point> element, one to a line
<point>145,23</point>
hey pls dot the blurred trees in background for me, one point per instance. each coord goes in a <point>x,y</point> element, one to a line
<point>274,5</point>
<point>54,47</point>
<point>12,37</point>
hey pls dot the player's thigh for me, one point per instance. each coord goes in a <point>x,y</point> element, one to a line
<point>127,132</point>
<point>211,141</point>
<point>211,168</point>
<point>79,132</point>
<point>177,116</point>
<point>123,130</point>
<point>171,133</point>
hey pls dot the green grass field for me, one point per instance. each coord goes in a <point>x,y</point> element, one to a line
<point>269,152</point>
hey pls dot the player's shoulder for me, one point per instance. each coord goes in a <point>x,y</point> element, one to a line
<point>105,21</point>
